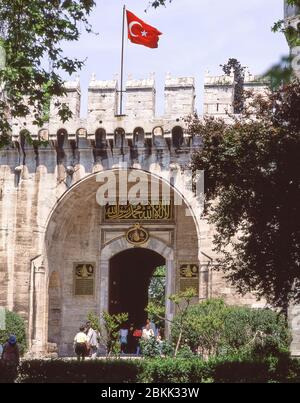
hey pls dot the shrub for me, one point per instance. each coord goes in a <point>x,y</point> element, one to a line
<point>257,331</point>
<point>241,372</point>
<point>167,348</point>
<point>222,369</point>
<point>150,348</point>
<point>14,324</point>
<point>70,371</point>
<point>203,326</point>
<point>185,352</point>
<point>230,369</point>
<point>212,328</point>
<point>170,370</point>
<point>7,374</point>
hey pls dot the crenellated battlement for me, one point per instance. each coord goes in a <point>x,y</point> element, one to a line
<point>219,91</point>
<point>229,80</point>
<point>102,112</point>
<point>138,126</point>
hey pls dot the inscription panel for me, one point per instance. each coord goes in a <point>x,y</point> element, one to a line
<point>84,279</point>
<point>189,277</point>
<point>139,212</point>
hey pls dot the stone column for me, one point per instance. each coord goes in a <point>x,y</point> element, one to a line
<point>204,282</point>
<point>104,285</point>
<point>104,294</point>
<point>294,321</point>
<point>38,346</point>
<point>170,289</point>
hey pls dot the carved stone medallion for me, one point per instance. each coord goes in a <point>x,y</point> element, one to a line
<point>137,235</point>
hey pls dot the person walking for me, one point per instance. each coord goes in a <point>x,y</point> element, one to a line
<point>81,344</point>
<point>11,357</point>
<point>92,341</point>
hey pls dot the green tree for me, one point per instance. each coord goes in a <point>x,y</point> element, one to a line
<point>203,327</point>
<point>292,33</point>
<point>109,331</point>
<point>252,194</point>
<point>94,320</point>
<point>182,302</point>
<point>283,72</point>
<point>31,33</point>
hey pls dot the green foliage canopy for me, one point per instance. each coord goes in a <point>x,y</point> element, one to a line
<point>212,328</point>
<point>252,193</point>
<point>31,33</point>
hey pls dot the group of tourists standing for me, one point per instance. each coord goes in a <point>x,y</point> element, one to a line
<point>86,341</point>
<point>131,337</point>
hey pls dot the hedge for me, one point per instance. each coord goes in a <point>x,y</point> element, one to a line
<point>221,370</point>
<point>71,371</point>
<point>7,374</point>
<point>161,370</point>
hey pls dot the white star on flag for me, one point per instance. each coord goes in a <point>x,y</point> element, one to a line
<point>144,33</point>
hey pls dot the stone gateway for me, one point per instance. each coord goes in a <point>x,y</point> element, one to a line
<point>63,254</point>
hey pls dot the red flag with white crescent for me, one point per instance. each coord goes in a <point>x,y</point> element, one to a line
<point>141,33</point>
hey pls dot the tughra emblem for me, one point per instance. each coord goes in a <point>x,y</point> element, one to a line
<point>137,235</point>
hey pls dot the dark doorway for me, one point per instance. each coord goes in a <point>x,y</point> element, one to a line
<point>130,275</point>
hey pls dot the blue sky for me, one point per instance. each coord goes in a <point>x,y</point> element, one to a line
<point>198,35</point>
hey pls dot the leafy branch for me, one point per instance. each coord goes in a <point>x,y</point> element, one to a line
<point>31,34</point>
<point>182,302</point>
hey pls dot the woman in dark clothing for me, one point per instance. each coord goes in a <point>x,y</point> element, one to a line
<point>11,357</point>
<point>131,340</point>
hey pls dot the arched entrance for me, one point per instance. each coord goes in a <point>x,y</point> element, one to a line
<point>82,246</point>
<point>130,273</point>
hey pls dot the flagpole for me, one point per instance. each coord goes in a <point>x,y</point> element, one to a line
<point>122,61</point>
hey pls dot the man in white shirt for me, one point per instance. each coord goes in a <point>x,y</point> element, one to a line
<point>92,339</point>
<point>80,344</point>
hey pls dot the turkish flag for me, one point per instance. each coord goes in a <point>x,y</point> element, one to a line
<point>141,33</point>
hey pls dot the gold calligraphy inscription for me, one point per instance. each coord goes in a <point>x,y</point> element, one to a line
<point>139,212</point>
<point>189,277</point>
<point>188,270</point>
<point>84,279</point>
